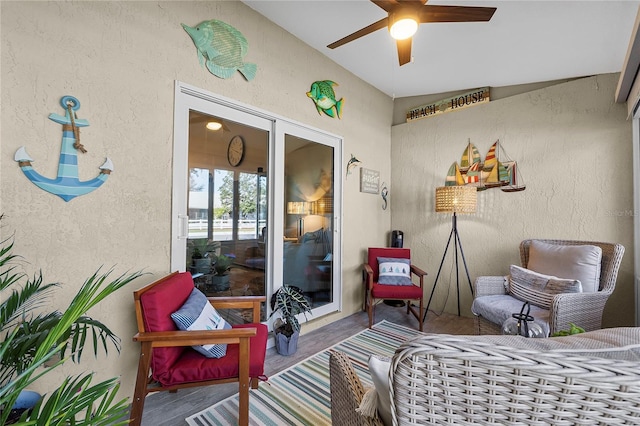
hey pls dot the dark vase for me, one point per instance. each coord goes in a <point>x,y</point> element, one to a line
<point>220,282</point>
<point>287,345</point>
<point>201,266</point>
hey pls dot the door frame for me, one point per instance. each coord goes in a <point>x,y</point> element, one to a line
<point>187,98</point>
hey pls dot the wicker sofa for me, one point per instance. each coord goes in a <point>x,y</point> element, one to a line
<point>586,379</point>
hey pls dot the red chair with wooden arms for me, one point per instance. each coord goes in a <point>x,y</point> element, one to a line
<point>167,363</point>
<point>374,291</point>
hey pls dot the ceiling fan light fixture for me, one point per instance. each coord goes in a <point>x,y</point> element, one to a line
<point>214,125</point>
<point>402,25</point>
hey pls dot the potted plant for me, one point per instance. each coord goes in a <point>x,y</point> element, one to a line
<point>221,266</point>
<point>200,250</point>
<point>289,301</point>
<point>35,341</point>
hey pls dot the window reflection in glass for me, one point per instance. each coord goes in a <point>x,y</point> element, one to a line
<point>308,245</point>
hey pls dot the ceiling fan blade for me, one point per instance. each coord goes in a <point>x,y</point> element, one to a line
<point>404,51</point>
<point>386,5</point>
<point>391,5</point>
<point>434,13</point>
<point>361,32</point>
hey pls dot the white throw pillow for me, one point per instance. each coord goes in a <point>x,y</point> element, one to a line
<point>394,271</point>
<point>379,367</point>
<point>539,289</point>
<point>580,262</point>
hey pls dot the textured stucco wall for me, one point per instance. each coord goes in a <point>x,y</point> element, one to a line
<point>120,59</point>
<point>573,146</point>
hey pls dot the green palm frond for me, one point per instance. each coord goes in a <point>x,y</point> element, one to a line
<point>93,291</point>
<point>100,334</point>
<point>7,275</point>
<point>29,338</point>
<point>59,329</point>
<point>20,303</point>
<point>78,403</point>
<point>29,335</point>
<point>10,389</point>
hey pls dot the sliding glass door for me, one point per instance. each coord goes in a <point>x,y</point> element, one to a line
<point>255,202</point>
<point>309,248</point>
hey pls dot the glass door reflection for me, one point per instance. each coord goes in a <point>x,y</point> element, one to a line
<point>227,208</point>
<point>308,222</point>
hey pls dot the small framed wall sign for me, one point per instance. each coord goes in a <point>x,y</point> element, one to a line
<point>369,181</point>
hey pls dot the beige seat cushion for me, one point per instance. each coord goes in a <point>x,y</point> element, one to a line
<point>580,262</point>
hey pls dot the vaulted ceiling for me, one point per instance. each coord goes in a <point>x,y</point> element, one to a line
<point>524,42</point>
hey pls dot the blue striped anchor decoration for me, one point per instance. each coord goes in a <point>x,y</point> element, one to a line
<point>66,185</point>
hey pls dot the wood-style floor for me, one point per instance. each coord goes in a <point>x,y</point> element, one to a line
<point>170,409</point>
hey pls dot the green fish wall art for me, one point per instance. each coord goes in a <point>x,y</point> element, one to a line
<point>324,97</point>
<point>221,48</point>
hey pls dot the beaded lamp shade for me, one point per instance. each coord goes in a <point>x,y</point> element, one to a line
<point>456,199</point>
<point>324,205</point>
<point>298,207</point>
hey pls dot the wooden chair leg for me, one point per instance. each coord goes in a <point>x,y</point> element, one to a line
<point>420,313</point>
<point>243,385</point>
<point>255,382</point>
<point>370,309</point>
<point>365,295</point>
<point>140,392</point>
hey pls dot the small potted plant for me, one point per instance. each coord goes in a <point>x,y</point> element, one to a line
<point>201,250</point>
<point>289,301</point>
<point>221,266</point>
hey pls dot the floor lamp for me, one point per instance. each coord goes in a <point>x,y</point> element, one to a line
<point>454,199</point>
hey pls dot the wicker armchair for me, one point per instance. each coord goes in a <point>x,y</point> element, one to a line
<point>583,309</point>
<point>590,378</point>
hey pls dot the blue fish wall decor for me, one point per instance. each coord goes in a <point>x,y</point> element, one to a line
<point>66,185</point>
<point>221,48</point>
<point>324,97</point>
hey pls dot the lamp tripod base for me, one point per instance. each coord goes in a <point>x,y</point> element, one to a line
<point>457,244</point>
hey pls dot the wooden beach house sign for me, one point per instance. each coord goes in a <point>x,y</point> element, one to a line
<point>455,103</point>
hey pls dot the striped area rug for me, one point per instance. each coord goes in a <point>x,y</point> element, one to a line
<point>300,394</point>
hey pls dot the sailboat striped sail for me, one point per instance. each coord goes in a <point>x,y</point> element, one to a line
<point>470,156</point>
<point>494,172</point>
<point>498,170</point>
<point>454,177</point>
<point>473,174</point>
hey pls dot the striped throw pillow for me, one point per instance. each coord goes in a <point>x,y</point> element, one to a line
<point>198,314</point>
<point>539,289</point>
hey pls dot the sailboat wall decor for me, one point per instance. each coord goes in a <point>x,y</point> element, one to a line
<point>66,185</point>
<point>497,170</point>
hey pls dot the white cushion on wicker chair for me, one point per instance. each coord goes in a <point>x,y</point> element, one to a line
<point>578,262</point>
<point>379,368</point>
<point>499,308</point>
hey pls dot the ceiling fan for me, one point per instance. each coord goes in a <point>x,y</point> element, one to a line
<point>404,16</point>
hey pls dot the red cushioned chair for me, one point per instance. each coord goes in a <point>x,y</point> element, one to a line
<point>374,292</point>
<point>168,363</point>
